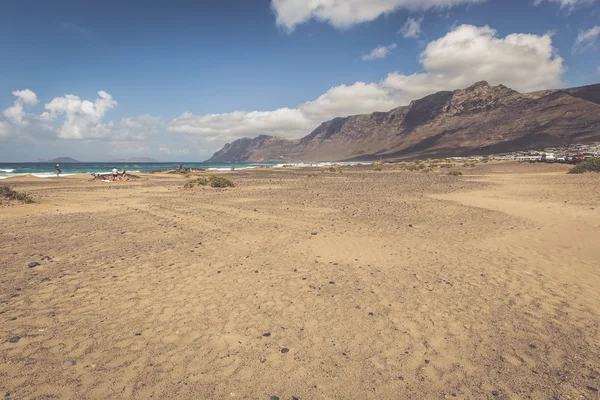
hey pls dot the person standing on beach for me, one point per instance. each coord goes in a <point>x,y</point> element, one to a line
<point>57,168</point>
<point>115,172</point>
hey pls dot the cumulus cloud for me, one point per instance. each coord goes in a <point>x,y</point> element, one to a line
<point>586,39</point>
<point>468,54</point>
<point>70,117</point>
<point>379,52</point>
<point>343,100</point>
<point>412,28</point>
<point>345,13</point>
<point>81,117</point>
<point>16,113</point>
<point>284,122</point>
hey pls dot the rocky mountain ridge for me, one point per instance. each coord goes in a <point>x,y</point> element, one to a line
<point>481,119</point>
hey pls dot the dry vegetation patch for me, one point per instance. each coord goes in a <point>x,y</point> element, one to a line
<point>6,193</point>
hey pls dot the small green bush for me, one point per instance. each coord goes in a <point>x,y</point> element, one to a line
<point>220,182</point>
<point>591,165</point>
<point>455,173</point>
<point>11,194</point>
<point>195,182</point>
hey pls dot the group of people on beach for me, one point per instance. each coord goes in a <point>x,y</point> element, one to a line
<point>114,175</point>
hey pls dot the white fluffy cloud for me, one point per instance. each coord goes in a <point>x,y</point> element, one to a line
<point>586,39</point>
<point>230,126</point>
<point>70,117</point>
<point>379,52</point>
<point>469,54</point>
<point>345,100</point>
<point>81,117</point>
<point>412,28</point>
<point>345,13</point>
<point>16,113</point>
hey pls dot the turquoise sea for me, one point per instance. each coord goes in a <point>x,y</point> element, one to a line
<point>46,170</point>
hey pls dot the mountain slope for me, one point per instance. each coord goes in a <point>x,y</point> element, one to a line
<point>480,119</point>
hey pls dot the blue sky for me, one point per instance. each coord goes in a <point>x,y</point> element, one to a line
<point>181,78</point>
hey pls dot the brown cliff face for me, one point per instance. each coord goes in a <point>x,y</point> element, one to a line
<point>480,119</point>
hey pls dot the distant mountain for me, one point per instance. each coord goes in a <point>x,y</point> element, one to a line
<point>63,160</point>
<point>135,159</point>
<point>480,119</point>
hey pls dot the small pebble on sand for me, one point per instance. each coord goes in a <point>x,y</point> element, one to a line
<point>285,350</point>
<point>33,264</point>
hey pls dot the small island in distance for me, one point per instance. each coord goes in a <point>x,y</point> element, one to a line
<point>64,160</point>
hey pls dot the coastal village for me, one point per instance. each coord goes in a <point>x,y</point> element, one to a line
<point>570,154</point>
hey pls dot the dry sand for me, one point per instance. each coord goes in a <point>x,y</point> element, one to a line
<point>415,286</point>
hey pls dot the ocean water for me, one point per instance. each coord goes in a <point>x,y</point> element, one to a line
<point>46,170</point>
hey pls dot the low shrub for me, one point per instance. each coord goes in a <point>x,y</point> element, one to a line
<point>335,168</point>
<point>455,173</point>
<point>591,165</point>
<point>10,194</point>
<point>195,182</point>
<point>219,182</point>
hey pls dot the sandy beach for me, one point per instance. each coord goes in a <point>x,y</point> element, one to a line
<point>303,284</point>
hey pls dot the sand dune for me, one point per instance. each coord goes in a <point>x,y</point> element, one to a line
<point>415,285</point>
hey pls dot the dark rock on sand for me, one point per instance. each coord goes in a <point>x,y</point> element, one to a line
<point>495,393</point>
<point>313,233</point>
<point>14,339</point>
<point>593,389</point>
<point>274,398</point>
<point>33,264</point>
<point>267,334</point>
<point>285,350</point>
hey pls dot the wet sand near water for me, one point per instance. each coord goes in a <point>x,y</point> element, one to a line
<point>359,285</point>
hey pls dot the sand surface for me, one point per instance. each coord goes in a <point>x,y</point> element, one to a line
<point>415,286</point>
